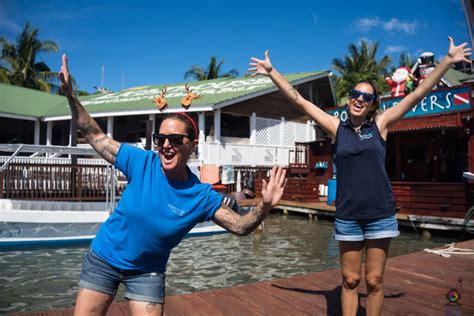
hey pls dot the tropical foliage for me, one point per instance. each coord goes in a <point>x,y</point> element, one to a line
<point>404,61</point>
<point>18,65</point>
<point>213,71</point>
<point>360,64</point>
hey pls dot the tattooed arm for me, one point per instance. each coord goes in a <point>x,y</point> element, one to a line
<point>104,145</point>
<point>245,224</point>
<point>264,67</point>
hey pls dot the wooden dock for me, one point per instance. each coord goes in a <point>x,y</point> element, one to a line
<point>415,284</point>
<point>417,221</point>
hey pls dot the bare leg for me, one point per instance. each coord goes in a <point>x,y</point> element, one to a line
<point>351,261</point>
<point>92,303</point>
<point>146,308</point>
<point>376,257</point>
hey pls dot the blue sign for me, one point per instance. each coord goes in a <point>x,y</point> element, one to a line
<point>437,102</point>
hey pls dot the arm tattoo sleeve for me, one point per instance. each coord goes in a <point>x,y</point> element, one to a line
<point>104,145</point>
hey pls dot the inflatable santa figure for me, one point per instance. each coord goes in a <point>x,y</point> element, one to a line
<point>401,82</point>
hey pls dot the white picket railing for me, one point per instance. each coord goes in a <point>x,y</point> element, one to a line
<point>245,155</point>
<point>212,153</point>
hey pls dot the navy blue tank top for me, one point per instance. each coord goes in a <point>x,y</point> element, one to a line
<point>363,187</point>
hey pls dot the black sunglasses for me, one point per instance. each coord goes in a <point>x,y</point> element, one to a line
<point>355,94</point>
<point>174,139</point>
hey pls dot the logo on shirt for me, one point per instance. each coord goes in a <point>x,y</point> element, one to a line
<point>366,136</point>
<point>177,210</point>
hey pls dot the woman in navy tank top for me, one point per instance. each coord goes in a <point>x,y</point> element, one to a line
<point>365,208</point>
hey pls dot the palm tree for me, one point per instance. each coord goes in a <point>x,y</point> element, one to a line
<point>212,72</point>
<point>404,61</point>
<point>359,65</point>
<point>18,61</point>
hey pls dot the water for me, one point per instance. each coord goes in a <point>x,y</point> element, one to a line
<point>41,279</point>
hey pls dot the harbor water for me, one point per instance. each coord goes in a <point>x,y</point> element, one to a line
<point>41,279</point>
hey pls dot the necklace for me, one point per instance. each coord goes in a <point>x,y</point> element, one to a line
<point>357,129</point>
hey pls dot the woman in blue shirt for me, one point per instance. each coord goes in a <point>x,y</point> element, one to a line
<point>365,209</point>
<point>162,202</point>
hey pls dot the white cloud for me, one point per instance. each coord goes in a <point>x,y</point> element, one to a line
<point>395,49</point>
<point>365,24</point>
<point>394,25</point>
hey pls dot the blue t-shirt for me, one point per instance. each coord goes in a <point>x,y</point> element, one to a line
<point>363,187</point>
<point>153,215</point>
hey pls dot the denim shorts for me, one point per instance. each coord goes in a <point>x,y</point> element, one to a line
<point>97,275</point>
<point>358,230</point>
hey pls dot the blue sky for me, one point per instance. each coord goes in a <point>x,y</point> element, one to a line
<point>155,42</point>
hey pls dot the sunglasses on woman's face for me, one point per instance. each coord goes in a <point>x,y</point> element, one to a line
<point>174,139</point>
<point>367,97</point>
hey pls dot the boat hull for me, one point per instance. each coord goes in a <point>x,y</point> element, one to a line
<point>26,228</point>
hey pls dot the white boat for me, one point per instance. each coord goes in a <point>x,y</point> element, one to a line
<point>26,223</point>
<point>41,223</point>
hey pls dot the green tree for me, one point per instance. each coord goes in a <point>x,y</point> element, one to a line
<point>359,65</point>
<point>213,71</point>
<point>404,61</point>
<point>18,65</point>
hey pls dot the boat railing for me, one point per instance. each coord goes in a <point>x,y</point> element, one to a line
<point>63,181</point>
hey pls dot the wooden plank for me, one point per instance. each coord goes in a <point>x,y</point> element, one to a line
<point>439,214</point>
<point>228,303</point>
<point>431,199</point>
<point>445,194</point>
<point>273,305</point>
<point>187,304</point>
<point>433,207</point>
<point>415,284</point>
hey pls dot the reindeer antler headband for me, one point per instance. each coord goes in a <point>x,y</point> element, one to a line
<point>185,101</point>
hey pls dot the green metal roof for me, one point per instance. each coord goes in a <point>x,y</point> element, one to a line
<point>214,93</point>
<point>457,77</point>
<point>26,102</point>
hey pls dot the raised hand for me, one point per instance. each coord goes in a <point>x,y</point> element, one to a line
<point>458,53</point>
<point>261,67</point>
<point>65,78</point>
<point>273,190</point>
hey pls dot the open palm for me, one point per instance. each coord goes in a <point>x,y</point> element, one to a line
<point>458,53</point>
<point>261,67</point>
<point>65,77</point>
<point>273,190</point>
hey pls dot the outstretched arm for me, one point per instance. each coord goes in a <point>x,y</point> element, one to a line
<point>455,54</point>
<point>104,145</point>
<point>245,224</point>
<point>264,67</point>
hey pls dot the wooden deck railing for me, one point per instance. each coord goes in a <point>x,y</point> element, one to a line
<point>55,182</point>
<point>434,198</point>
<point>89,183</point>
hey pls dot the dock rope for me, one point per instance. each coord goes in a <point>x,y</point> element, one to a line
<point>449,250</point>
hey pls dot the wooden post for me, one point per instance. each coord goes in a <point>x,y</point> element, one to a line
<point>149,132</point>
<point>73,137</point>
<point>2,179</point>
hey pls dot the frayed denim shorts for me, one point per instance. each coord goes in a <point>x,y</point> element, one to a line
<point>97,275</point>
<point>358,230</point>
